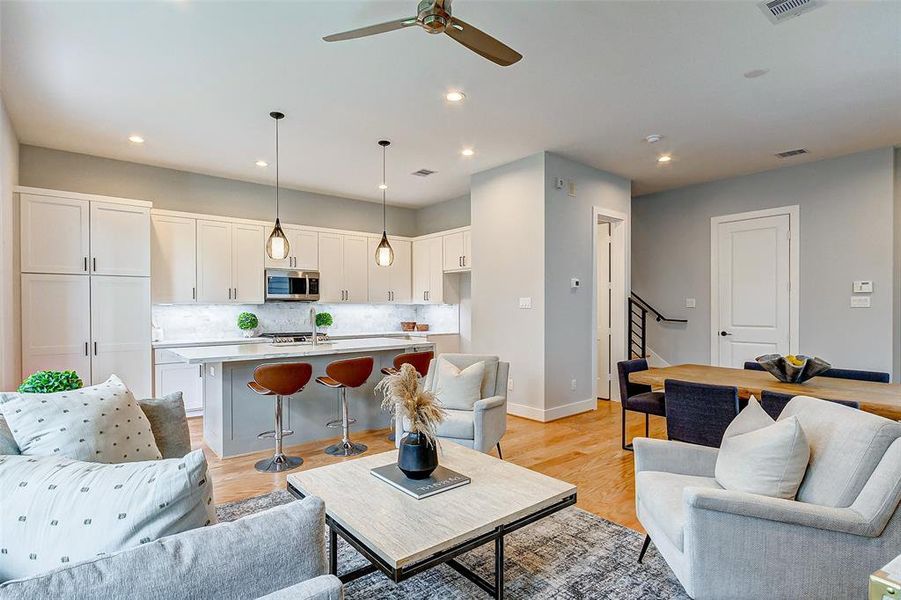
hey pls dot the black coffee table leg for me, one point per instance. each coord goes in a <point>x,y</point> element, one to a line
<point>499,566</point>
<point>332,550</point>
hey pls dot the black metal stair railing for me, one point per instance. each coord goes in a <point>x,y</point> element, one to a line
<point>638,320</point>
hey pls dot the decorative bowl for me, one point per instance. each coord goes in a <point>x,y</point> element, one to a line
<point>422,327</point>
<point>788,371</point>
<point>408,325</point>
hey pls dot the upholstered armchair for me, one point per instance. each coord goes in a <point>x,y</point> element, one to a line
<point>482,427</point>
<point>843,524</point>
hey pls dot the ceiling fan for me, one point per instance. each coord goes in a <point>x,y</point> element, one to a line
<point>435,17</point>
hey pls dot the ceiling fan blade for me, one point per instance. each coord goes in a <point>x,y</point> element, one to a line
<point>481,43</point>
<point>371,30</point>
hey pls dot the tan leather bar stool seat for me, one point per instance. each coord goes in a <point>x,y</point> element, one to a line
<point>419,360</point>
<point>340,375</point>
<point>279,380</point>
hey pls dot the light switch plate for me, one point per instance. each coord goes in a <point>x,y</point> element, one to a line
<point>862,287</point>
<point>510,384</point>
<point>525,303</point>
<point>860,302</point>
<point>690,303</point>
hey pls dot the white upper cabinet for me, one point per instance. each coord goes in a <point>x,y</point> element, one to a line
<point>120,332</point>
<point>56,324</point>
<point>457,251</point>
<point>343,268</point>
<point>303,250</point>
<point>248,250</point>
<point>214,262</point>
<point>390,284</point>
<point>174,259</point>
<point>356,269</point>
<point>120,239</point>
<point>55,234</point>
<point>428,271</point>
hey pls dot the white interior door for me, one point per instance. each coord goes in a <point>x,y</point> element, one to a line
<point>603,308</point>
<point>174,259</point>
<point>248,250</point>
<point>120,239</point>
<point>331,267</point>
<point>214,261</point>
<point>55,234</point>
<point>120,332</point>
<point>356,269</point>
<point>753,289</point>
<point>56,324</point>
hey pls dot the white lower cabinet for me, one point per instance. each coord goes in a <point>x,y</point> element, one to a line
<point>95,326</point>
<point>179,377</point>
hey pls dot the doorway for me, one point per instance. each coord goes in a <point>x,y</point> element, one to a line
<point>754,285</point>
<point>610,281</point>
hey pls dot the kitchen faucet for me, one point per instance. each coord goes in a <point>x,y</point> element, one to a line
<point>315,335</point>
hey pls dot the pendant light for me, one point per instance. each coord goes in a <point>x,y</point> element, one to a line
<point>277,246</point>
<point>384,254</point>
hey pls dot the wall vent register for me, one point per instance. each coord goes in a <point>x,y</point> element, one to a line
<point>781,10</point>
<point>790,153</point>
<point>423,172</point>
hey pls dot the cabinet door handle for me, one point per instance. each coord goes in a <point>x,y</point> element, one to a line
<point>464,261</point>
<point>85,264</point>
<point>95,264</point>
<point>201,370</point>
<point>229,293</point>
<point>95,348</point>
<point>236,293</point>
<point>86,351</point>
<point>193,293</point>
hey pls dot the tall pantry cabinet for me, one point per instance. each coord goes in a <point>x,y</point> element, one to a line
<point>85,263</point>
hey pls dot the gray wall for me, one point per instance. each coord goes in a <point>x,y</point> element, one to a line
<point>846,233</point>
<point>10,328</point>
<point>896,328</point>
<point>192,192</point>
<point>449,214</point>
<point>569,232</point>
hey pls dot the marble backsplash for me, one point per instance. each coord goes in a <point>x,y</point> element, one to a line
<point>218,321</point>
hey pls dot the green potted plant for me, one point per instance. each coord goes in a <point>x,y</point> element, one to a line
<point>248,323</point>
<point>47,382</point>
<point>324,320</point>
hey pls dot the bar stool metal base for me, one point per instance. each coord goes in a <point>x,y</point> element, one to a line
<point>346,448</point>
<point>278,464</point>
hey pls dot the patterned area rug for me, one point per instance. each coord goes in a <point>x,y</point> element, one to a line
<point>571,554</point>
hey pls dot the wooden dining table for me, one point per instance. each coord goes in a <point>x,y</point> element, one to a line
<point>880,398</point>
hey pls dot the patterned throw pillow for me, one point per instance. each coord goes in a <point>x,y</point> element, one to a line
<point>58,511</point>
<point>101,423</point>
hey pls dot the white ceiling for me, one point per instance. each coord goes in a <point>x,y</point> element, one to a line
<point>198,79</point>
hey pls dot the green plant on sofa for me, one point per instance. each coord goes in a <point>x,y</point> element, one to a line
<point>47,382</point>
<point>324,319</point>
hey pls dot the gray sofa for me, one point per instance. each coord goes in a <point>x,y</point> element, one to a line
<point>843,525</point>
<point>275,554</point>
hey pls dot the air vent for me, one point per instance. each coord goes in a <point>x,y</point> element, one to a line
<point>790,153</point>
<point>423,172</point>
<point>781,10</point>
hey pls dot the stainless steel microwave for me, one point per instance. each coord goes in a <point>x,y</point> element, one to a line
<point>292,285</point>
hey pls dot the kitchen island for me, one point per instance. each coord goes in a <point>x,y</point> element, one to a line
<point>233,415</point>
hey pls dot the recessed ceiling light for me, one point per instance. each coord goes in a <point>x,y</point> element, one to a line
<point>262,163</point>
<point>135,139</point>
<point>455,96</point>
<point>467,151</point>
<point>653,138</point>
<point>755,73</point>
<point>664,158</point>
<point>383,186</point>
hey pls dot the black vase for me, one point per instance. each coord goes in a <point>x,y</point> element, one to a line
<point>417,457</point>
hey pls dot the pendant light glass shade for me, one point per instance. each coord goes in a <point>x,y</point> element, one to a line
<point>384,253</point>
<point>277,246</point>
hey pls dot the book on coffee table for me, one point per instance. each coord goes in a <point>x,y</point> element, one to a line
<point>441,480</point>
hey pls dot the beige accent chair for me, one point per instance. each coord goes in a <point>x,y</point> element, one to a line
<point>843,525</point>
<point>482,427</point>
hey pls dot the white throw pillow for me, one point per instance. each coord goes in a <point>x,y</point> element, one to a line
<point>101,423</point>
<point>762,456</point>
<point>58,511</point>
<point>459,389</point>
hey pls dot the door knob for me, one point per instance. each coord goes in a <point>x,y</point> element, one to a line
<point>725,333</point>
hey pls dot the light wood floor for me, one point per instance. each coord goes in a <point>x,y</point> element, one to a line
<point>583,449</point>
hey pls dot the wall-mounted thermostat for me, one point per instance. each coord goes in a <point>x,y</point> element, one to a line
<point>574,283</point>
<point>862,287</point>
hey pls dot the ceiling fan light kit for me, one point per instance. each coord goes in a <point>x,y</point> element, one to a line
<point>435,16</point>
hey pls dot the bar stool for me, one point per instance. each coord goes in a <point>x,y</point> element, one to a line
<point>340,375</point>
<point>420,362</point>
<point>279,380</point>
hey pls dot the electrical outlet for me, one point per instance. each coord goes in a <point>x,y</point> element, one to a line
<point>860,302</point>
<point>510,384</point>
<point>525,303</point>
<point>572,189</point>
<point>212,370</point>
<point>690,303</point>
<point>572,385</point>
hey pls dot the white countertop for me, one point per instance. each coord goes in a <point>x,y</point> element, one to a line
<point>265,351</point>
<point>164,344</point>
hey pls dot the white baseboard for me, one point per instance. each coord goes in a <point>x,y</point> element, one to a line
<point>551,414</point>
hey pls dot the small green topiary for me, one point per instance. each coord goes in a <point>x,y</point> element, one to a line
<point>47,382</point>
<point>324,319</point>
<point>247,321</point>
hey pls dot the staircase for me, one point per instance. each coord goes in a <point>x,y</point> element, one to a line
<point>638,320</point>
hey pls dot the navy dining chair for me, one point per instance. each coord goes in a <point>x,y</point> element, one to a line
<point>699,413</point>
<point>774,402</point>
<point>637,397</point>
